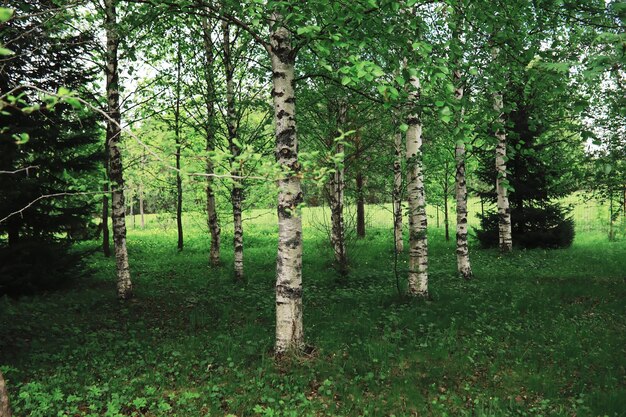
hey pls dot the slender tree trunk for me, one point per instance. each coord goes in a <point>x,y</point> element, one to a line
<point>397,192</point>
<point>437,215</point>
<point>118,218</point>
<point>360,206</point>
<point>336,188</point>
<point>418,241</point>
<point>141,212</point>
<point>446,217</point>
<point>611,232</point>
<point>131,210</point>
<point>236,193</point>
<point>504,212</point>
<point>462,249</point>
<point>211,207</point>
<point>179,180</point>
<point>106,246</point>
<point>5,406</point>
<point>289,331</point>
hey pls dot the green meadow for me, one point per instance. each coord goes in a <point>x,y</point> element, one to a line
<point>537,333</point>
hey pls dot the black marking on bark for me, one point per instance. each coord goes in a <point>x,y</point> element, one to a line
<point>290,293</point>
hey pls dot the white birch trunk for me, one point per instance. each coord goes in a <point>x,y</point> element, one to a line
<point>418,241</point>
<point>397,193</point>
<point>462,250</point>
<point>236,194</point>
<point>118,215</point>
<point>289,331</point>
<point>211,207</point>
<point>5,406</point>
<point>505,240</point>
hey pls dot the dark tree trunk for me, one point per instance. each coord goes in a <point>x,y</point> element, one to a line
<point>360,206</point>
<point>179,180</point>
<point>106,245</point>
<point>446,221</point>
<point>212,219</point>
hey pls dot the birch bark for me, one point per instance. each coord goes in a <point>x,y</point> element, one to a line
<point>505,240</point>
<point>236,193</point>
<point>289,332</point>
<point>113,137</point>
<point>418,241</point>
<point>462,250</point>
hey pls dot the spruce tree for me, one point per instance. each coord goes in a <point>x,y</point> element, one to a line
<point>60,143</point>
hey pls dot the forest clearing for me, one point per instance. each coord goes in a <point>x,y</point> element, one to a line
<point>539,333</point>
<point>312,208</point>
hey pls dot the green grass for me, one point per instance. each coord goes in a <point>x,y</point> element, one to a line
<point>536,333</point>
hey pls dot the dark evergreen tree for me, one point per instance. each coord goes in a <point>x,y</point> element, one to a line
<point>542,165</point>
<point>60,143</point>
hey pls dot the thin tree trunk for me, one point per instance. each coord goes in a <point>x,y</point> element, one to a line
<point>360,206</point>
<point>211,207</point>
<point>106,246</point>
<point>118,218</point>
<point>462,249</point>
<point>131,208</point>
<point>179,180</point>
<point>446,216</point>
<point>418,241</point>
<point>236,193</point>
<point>5,406</point>
<point>505,241</point>
<point>437,215</point>
<point>289,331</point>
<point>611,232</point>
<point>141,212</point>
<point>397,193</point>
<point>336,188</point>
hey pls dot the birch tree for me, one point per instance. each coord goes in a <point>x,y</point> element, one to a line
<point>336,188</point>
<point>113,138</point>
<point>209,129</point>
<point>234,145</point>
<point>418,240</point>
<point>289,331</point>
<point>505,240</point>
<point>462,250</point>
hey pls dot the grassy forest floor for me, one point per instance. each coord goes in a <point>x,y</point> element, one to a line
<point>536,333</point>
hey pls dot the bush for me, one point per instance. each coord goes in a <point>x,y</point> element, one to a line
<point>532,227</point>
<point>34,266</point>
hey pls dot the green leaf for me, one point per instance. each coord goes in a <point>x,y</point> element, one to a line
<point>346,80</point>
<point>5,51</point>
<point>403,127</point>
<point>5,14</point>
<point>21,139</point>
